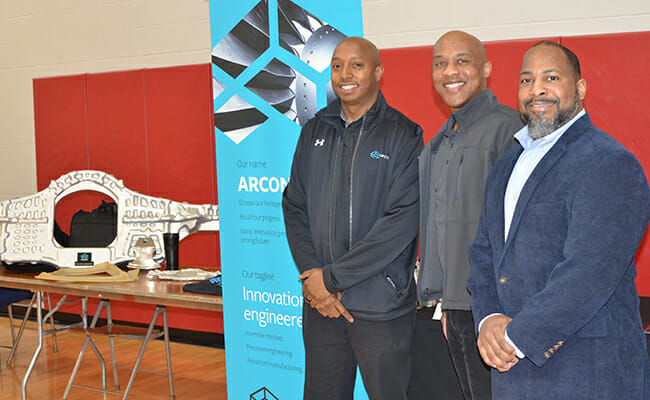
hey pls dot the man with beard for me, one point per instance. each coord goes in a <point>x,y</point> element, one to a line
<point>553,261</point>
<point>351,217</point>
<point>453,169</point>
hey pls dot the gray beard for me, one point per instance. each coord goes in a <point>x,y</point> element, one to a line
<point>538,128</point>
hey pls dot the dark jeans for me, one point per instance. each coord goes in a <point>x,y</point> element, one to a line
<point>473,374</point>
<point>432,375</point>
<point>334,348</point>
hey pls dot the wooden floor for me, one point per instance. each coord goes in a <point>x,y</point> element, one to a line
<point>199,371</point>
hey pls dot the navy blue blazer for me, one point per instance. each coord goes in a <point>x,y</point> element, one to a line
<point>566,273</point>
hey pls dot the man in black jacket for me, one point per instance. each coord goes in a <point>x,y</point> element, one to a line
<point>351,216</point>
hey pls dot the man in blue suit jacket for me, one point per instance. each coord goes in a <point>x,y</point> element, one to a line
<point>552,278</point>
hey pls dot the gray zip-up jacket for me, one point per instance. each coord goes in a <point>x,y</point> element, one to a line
<point>449,220</point>
<point>372,263</point>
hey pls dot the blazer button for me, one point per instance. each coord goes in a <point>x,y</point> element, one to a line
<point>547,355</point>
<point>503,280</point>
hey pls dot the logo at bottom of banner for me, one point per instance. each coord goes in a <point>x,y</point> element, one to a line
<point>263,394</point>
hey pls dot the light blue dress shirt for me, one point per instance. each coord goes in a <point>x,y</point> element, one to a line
<point>534,151</point>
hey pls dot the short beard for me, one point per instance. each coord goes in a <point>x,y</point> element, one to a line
<point>538,128</point>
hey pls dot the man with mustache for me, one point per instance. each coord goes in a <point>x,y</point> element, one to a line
<point>553,261</point>
<point>453,169</point>
<point>351,217</point>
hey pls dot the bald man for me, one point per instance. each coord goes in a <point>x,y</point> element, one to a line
<point>351,216</point>
<point>453,170</point>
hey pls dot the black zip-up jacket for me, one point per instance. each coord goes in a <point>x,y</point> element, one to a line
<point>373,266</point>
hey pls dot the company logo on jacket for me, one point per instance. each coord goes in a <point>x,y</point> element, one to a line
<point>377,155</point>
<point>319,142</point>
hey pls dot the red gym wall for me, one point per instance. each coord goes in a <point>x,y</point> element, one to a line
<point>153,128</point>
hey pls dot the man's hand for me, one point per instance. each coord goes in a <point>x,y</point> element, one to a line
<point>443,321</point>
<point>313,286</point>
<point>492,344</point>
<point>331,307</point>
<point>316,294</point>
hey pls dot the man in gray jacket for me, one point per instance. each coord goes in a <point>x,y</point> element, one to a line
<point>453,169</point>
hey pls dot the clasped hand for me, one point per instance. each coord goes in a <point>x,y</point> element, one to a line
<point>492,344</point>
<point>316,294</point>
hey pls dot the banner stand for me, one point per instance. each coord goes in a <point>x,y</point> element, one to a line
<point>270,75</point>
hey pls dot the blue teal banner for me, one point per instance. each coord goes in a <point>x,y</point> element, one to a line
<point>270,75</point>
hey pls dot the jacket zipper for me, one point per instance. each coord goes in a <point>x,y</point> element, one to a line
<point>354,155</point>
<point>333,183</point>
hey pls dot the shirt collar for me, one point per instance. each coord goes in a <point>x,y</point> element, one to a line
<point>474,109</point>
<point>344,118</point>
<point>527,142</point>
<point>372,110</point>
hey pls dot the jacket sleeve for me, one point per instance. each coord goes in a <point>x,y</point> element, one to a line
<point>391,233</point>
<point>607,220</point>
<point>296,218</point>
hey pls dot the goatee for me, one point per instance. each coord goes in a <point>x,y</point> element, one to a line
<point>538,128</point>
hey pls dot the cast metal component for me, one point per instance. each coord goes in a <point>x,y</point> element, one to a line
<point>144,252</point>
<point>27,224</point>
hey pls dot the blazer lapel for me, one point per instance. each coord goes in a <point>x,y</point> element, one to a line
<point>546,163</point>
<point>500,191</point>
<point>540,171</point>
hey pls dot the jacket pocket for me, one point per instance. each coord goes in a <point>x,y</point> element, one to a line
<point>394,286</point>
<point>472,167</point>
<point>460,173</point>
<point>545,209</point>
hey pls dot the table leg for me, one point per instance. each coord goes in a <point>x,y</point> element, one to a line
<point>37,352</point>
<point>168,355</point>
<point>111,339</point>
<point>20,330</point>
<point>158,310</point>
<point>40,321</point>
<point>49,304</point>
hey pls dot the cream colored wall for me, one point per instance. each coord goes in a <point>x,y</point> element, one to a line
<point>40,38</point>
<point>401,23</point>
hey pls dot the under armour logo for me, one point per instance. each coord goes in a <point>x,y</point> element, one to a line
<point>319,142</point>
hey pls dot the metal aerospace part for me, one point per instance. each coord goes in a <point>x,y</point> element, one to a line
<point>145,250</point>
<point>27,224</point>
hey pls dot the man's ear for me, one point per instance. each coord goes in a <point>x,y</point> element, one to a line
<point>581,87</point>
<point>486,69</point>
<point>379,72</point>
